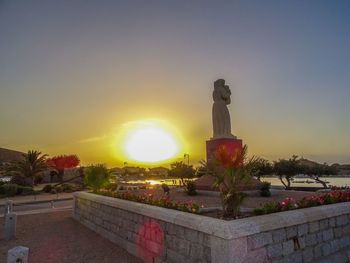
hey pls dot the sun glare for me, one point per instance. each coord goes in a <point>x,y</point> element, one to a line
<point>150,144</point>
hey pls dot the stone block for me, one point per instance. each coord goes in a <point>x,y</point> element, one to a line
<point>332,222</point>
<point>180,232</point>
<point>308,255</point>
<point>338,232</point>
<point>303,229</point>
<point>326,249</point>
<point>342,220</point>
<point>274,250</point>
<point>335,245</point>
<point>287,247</point>
<point>191,235</point>
<point>318,251</point>
<point>328,234</point>
<point>339,258</point>
<point>292,231</point>
<point>346,230</point>
<point>302,242</point>
<point>256,256</point>
<point>206,240</point>
<point>183,246</point>
<point>344,242</point>
<point>174,257</point>
<point>279,235</point>
<point>259,240</point>
<point>310,239</point>
<point>207,254</point>
<point>314,227</point>
<point>18,254</point>
<point>319,237</point>
<point>324,224</point>
<point>10,226</point>
<point>224,251</point>
<point>196,251</point>
<point>297,257</point>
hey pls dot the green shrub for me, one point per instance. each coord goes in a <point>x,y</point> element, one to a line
<point>268,209</point>
<point>111,187</point>
<point>27,190</point>
<point>8,189</point>
<point>19,180</point>
<point>58,189</point>
<point>191,188</point>
<point>96,176</point>
<point>265,189</point>
<point>47,188</point>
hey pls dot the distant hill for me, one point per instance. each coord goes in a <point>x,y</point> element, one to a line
<point>7,155</point>
<point>307,162</point>
<point>343,169</point>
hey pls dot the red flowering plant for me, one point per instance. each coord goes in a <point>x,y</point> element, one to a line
<point>189,206</point>
<point>233,169</point>
<point>61,162</point>
<point>315,200</point>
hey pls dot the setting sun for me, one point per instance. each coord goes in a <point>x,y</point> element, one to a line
<point>150,143</point>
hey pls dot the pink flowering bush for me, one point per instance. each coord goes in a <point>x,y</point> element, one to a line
<point>335,196</point>
<point>149,199</point>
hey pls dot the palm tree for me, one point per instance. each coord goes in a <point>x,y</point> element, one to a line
<point>32,165</point>
<point>233,169</point>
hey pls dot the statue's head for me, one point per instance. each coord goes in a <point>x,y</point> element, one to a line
<point>219,83</point>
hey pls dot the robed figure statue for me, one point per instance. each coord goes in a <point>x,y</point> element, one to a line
<point>221,115</point>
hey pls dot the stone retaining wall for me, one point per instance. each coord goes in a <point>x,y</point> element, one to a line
<point>155,234</point>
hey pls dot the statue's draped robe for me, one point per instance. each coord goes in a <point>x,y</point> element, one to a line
<point>221,115</point>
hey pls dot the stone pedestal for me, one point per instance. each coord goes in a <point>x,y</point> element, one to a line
<point>10,226</point>
<point>231,144</point>
<point>206,181</point>
<point>18,254</point>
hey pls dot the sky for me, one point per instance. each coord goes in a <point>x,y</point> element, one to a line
<point>74,74</point>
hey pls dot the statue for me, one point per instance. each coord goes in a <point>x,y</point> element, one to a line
<point>221,115</point>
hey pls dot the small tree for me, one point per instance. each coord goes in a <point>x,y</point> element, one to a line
<point>61,162</point>
<point>96,176</point>
<point>261,168</point>
<point>31,166</point>
<point>287,169</point>
<point>317,171</point>
<point>233,170</point>
<point>181,170</point>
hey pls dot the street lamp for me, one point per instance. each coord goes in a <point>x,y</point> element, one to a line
<point>186,155</point>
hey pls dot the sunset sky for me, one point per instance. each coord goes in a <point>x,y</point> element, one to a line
<point>76,76</point>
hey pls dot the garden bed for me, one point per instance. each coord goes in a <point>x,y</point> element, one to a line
<point>212,200</point>
<point>156,233</point>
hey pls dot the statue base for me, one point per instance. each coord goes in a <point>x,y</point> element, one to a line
<point>213,145</point>
<point>206,181</point>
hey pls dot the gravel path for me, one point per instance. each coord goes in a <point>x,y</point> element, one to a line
<point>57,238</point>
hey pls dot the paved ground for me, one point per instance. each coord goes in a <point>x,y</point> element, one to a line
<point>39,206</point>
<point>57,238</point>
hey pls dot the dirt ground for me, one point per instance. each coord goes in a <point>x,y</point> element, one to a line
<point>57,238</point>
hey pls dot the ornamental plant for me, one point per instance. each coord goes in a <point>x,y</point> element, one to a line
<point>233,170</point>
<point>31,166</point>
<point>149,199</point>
<point>333,197</point>
<point>61,162</point>
<point>96,176</point>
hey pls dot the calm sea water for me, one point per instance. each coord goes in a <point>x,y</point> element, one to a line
<point>344,181</point>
